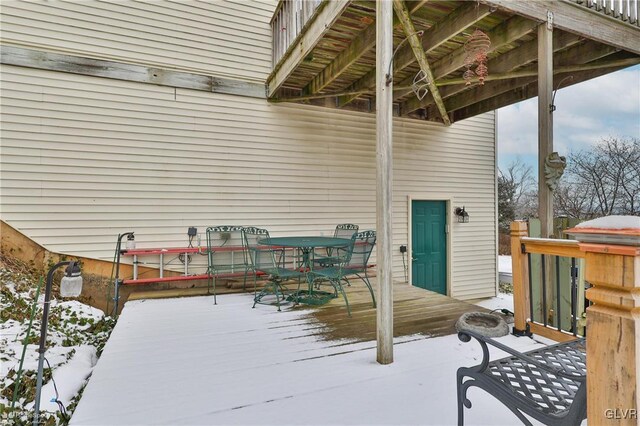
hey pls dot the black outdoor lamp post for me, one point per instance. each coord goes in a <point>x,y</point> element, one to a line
<point>70,286</point>
<point>130,245</point>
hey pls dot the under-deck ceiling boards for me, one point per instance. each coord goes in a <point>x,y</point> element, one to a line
<point>526,53</point>
<point>341,67</point>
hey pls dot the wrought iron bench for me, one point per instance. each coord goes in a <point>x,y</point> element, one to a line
<point>548,384</point>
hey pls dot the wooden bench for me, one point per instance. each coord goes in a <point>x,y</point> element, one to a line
<point>548,384</point>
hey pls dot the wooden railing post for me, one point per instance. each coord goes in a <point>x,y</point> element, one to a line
<point>613,328</point>
<point>520,275</point>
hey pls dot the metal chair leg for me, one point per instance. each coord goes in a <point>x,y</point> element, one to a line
<point>275,291</point>
<point>344,295</point>
<point>460,399</point>
<point>255,289</point>
<point>365,279</point>
<point>215,297</point>
<point>244,284</point>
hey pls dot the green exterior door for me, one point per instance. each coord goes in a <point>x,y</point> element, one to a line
<point>429,245</point>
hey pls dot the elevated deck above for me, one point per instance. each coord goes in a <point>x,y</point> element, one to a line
<point>324,52</point>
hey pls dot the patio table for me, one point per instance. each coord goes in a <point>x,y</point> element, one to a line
<point>306,246</point>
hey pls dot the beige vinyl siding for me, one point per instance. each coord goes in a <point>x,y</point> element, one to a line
<point>86,158</point>
<point>230,38</point>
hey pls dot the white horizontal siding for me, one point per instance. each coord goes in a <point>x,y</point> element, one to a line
<point>230,38</point>
<point>456,163</point>
<point>86,158</point>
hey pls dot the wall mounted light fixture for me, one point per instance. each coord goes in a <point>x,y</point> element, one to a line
<point>461,213</point>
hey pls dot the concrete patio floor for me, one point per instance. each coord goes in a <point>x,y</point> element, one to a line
<point>186,361</point>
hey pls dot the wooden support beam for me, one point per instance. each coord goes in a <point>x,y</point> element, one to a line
<point>384,181</point>
<point>528,52</point>
<point>498,67</point>
<point>572,17</point>
<point>326,14</point>
<point>506,33</point>
<point>563,69</point>
<point>364,42</point>
<point>526,92</point>
<point>328,95</point>
<point>29,58</point>
<point>503,34</point>
<point>569,60</point>
<point>325,100</point>
<point>545,126</point>
<point>457,21</point>
<point>410,31</point>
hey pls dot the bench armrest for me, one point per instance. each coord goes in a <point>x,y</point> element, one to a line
<point>466,336</point>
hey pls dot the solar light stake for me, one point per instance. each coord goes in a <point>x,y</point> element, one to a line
<point>73,277</point>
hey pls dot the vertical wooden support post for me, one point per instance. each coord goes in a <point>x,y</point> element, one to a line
<point>613,330</point>
<point>384,180</point>
<point>520,275</point>
<point>545,147</point>
<point>545,126</point>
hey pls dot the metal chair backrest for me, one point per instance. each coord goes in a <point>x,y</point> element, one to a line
<point>362,246</point>
<point>219,237</point>
<point>250,237</point>
<point>345,230</point>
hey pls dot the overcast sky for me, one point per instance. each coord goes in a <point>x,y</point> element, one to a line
<point>586,112</point>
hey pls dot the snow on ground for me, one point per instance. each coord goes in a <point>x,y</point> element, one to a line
<point>69,377</point>
<point>501,301</point>
<point>186,361</point>
<point>75,335</point>
<point>504,264</point>
<point>505,275</point>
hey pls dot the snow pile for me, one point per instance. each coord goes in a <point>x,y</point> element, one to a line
<point>76,335</point>
<point>504,264</point>
<point>69,377</point>
<point>612,222</point>
<point>501,301</point>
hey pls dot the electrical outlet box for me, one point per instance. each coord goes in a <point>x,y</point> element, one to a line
<point>192,232</point>
<point>225,236</point>
<point>403,249</point>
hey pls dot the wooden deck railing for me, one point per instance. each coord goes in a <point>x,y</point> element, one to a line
<point>287,23</point>
<point>625,10</point>
<point>612,269</point>
<point>547,290</point>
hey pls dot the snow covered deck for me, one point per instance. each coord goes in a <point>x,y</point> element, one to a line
<point>186,361</point>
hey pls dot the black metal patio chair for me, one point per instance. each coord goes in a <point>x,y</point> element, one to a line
<point>548,384</point>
